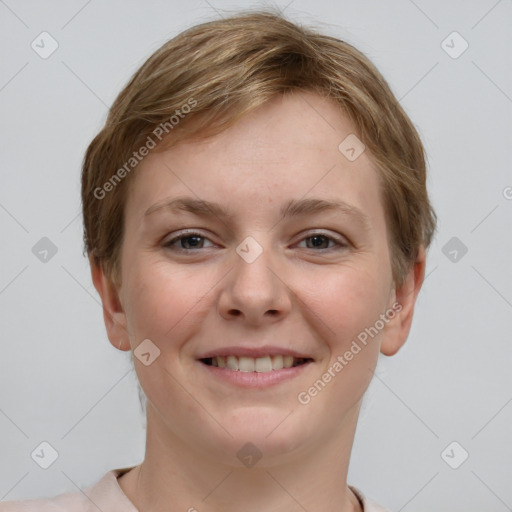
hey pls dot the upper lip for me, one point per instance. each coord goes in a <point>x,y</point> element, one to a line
<point>254,352</point>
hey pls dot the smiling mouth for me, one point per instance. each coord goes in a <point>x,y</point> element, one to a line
<point>251,364</point>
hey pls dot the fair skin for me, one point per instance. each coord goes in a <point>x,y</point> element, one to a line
<point>304,292</point>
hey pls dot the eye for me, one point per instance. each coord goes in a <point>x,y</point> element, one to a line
<point>321,241</point>
<point>191,240</point>
<point>187,242</point>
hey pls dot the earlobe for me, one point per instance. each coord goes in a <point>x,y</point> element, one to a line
<point>398,330</point>
<point>113,313</point>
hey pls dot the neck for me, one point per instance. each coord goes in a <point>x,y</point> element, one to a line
<point>176,476</point>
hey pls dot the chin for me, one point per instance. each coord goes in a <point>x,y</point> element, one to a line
<point>274,431</point>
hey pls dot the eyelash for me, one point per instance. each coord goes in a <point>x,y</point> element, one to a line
<point>191,234</point>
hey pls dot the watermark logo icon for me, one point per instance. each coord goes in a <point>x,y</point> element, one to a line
<point>454,45</point>
<point>146,352</point>
<point>249,455</point>
<point>44,45</point>
<point>44,455</point>
<point>351,147</point>
<point>249,249</point>
<point>44,250</point>
<point>454,455</point>
<point>454,249</point>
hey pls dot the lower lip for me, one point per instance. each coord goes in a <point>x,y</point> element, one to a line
<point>255,379</point>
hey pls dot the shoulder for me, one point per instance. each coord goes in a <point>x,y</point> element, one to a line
<point>73,501</point>
<point>368,504</point>
<point>105,495</point>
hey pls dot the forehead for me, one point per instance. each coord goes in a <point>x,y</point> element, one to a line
<point>285,150</point>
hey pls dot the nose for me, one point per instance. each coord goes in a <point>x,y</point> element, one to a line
<point>255,292</point>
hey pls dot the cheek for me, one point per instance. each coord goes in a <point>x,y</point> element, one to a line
<point>359,298</point>
<point>164,300</point>
<point>352,299</point>
<point>353,302</point>
<point>163,306</point>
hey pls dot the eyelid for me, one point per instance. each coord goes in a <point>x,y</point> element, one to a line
<point>185,234</point>
<point>340,240</point>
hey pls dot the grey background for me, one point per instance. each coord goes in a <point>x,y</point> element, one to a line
<point>62,382</point>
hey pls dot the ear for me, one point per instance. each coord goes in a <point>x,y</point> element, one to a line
<point>397,330</point>
<point>113,313</point>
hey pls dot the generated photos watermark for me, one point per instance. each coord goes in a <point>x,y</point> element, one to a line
<point>151,142</point>
<point>305,397</point>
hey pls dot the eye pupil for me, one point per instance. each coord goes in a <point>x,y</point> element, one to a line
<point>193,244</point>
<point>320,239</point>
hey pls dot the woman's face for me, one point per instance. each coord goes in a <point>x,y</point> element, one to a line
<point>249,280</point>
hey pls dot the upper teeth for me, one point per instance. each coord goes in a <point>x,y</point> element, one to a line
<point>251,364</point>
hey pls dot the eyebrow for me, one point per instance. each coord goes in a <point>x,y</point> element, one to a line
<point>294,208</point>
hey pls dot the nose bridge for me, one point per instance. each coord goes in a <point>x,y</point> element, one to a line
<point>254,289</point>
<point>254,263</point>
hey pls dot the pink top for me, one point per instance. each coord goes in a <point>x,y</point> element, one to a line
<point>106,495</point>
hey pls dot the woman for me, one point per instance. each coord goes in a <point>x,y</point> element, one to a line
<point>256,219</point>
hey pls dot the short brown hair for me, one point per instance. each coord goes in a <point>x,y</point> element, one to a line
<point>229,67</point>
